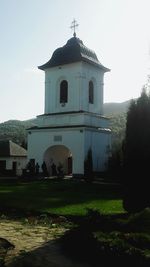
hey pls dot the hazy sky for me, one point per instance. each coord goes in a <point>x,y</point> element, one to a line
<point>30,30</point>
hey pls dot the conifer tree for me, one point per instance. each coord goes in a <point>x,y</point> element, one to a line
<point>88,166</point>
<point>137,154</point>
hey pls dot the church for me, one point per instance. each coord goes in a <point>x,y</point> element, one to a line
<point>73,122</point>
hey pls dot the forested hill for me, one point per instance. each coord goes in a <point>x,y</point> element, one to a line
<point>117,114</point>
<point>116,108</point>
<point>15,130</point>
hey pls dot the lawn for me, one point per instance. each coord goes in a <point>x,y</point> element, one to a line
<point>64,197</point>
<point>106,235</point>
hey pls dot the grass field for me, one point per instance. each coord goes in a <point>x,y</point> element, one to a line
<point>64,197</point>
<point>108,237</point>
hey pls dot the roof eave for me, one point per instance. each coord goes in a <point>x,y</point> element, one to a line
<point>42,67</point>
<point>97,64</point>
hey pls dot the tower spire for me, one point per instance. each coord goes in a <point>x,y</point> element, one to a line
<point>74,25</point>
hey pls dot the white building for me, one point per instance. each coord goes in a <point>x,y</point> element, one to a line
<point>13,158</point>
<point>73,120</point>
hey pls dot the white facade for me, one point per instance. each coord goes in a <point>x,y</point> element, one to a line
<point>78,75</point>
<point>76,140</point>
<point>20,163</point>
<point>68,130</point>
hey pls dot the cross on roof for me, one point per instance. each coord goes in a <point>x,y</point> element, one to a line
<point>74,25</point>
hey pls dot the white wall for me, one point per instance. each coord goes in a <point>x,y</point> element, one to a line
<point>78,76</point>
<point>78,141</point>
<point>21,163</point>
<point>40,140</point>
<point>73,119</point>
<point>100,143</point>
<point>94,74</point>
<point>53,77</point>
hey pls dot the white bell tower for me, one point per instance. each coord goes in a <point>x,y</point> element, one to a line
<point>73,120</point>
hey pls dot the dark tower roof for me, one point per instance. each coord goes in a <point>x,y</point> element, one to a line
<point>73,51</point>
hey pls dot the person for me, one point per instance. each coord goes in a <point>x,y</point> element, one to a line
<point>31,167</point>
<point>44,169</point>
<point>54,171</point>
<point>37,168</point>
<point>60,170</point>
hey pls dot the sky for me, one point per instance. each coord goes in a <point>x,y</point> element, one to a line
<point>30,30</point>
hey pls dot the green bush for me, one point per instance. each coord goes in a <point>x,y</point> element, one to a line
<point>140,221</point>
<point>88,166</point>
<point>103,239</point>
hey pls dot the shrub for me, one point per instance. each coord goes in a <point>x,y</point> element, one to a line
<point>88,166</point>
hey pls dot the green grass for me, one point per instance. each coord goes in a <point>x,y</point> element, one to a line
<point>99,237</point>
<point>65,197</point>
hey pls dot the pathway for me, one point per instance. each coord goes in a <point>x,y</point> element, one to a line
<point>35,245</point>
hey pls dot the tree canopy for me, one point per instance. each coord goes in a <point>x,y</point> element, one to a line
<point>137,134</point>
<point>136,151</point>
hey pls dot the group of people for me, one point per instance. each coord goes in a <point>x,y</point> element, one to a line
<point>57,171</point>
<point>34,169</point>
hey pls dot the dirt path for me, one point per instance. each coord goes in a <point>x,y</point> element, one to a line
<point>35,245</point>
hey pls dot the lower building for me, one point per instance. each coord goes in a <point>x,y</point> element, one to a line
<point>68,144</point>
<point>13,158</point>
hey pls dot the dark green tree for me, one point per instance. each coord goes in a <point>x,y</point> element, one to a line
<point>136,151</point>
<point>88,166</point>
<point>115,163</point>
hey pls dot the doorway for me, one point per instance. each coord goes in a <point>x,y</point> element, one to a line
<point>58,154</point>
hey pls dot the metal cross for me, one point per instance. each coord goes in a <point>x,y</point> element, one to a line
<point>74,25</point>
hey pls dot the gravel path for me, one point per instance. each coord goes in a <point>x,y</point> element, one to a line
<point>35,245</point>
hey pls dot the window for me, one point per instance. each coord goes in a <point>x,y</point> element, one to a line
<point>57,138</point>
<point>64,92</point>
<point>91,92</point>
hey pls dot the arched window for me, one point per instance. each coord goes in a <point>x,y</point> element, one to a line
<point>91,92</point>
<point>64,92</point>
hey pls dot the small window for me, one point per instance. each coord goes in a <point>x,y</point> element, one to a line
<point>64,92</point>
<point>91,92</point>
<point>57,138</point>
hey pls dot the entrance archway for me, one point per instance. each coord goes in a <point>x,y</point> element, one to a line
<point>58,154</point>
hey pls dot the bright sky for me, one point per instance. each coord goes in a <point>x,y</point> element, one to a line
<point>30,30</point>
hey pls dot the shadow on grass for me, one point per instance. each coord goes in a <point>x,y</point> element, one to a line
<point>64,197</point>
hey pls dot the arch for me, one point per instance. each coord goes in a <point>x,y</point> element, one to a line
<point>64,91</point>
<point>58,154</point>
<point>91,92</point>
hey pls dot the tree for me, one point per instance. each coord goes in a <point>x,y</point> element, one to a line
<point>88,166</point>
<point>115,163</point>
<point>136,151</point>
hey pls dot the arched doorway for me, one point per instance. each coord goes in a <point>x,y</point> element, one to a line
<point>58,154</point>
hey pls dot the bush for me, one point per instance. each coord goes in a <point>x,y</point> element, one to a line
<point>136,197</point>
<point>139,222</point>
<point>88,166</point>
<point>102,239</point>
<point>103,248</point>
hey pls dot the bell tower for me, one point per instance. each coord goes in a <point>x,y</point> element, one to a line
<point>73,114</point>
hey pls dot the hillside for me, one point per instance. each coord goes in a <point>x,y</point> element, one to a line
<point>15,130</point>
<point>117,114</point>
<point>116,108</point>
